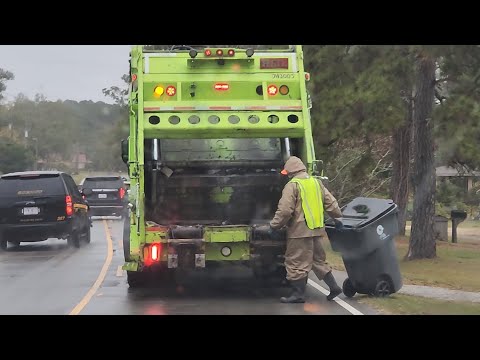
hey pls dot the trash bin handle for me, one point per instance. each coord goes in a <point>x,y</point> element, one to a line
<point>363,217</point>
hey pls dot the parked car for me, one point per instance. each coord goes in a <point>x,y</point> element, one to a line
<point>106,195</point>
<point>37,205</point>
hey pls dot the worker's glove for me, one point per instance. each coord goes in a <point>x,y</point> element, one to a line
<point>273,234</point>
<point>339,225</point>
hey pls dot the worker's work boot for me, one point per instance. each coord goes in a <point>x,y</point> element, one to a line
<point>335,290</point>
<point>298,292</point>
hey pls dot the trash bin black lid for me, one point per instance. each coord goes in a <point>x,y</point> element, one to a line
<point>361,211</point>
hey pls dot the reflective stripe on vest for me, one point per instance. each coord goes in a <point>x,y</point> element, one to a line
<point>312,203</point>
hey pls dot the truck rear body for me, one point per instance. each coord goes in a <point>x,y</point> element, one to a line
<point>209,134</point>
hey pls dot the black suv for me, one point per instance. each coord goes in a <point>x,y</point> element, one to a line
<point>106,195</point>
<point>37,205</point>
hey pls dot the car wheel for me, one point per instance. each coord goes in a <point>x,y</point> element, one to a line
<point>74,240</point>
<point>87,235</point>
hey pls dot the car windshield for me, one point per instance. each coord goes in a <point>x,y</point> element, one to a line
<point>31,186</point>
<point>103,183</point>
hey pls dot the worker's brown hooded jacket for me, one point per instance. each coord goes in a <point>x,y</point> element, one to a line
<point>290,213</point>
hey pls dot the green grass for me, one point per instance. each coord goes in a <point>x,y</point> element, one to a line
<point>466,223</point>
<point>457,266</point>
<point>470,224</point>
<point>399,304</point>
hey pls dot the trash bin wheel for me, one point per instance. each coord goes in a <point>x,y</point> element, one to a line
<point>348,288</point>
<point>382,289</point>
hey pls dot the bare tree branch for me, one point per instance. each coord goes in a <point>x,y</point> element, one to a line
<point>373,173</point>
<point>383,182</point>
<point>344,166</point>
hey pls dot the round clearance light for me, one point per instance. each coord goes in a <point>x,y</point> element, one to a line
<point>158,90</point>
<point>219,52</point>
<point>208,52</point>
<point>226,251</point>
<point>171,90</point>
<point>231,52</point>
<point>272,90</point>
<point>284,90</point>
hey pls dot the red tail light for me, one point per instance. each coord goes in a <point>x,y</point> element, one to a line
<point>272,90</point>
<point>121,193</point>
<point>152,253</point>
<point>68,205</point>
<point>171,90</point>
<point>221,86</point>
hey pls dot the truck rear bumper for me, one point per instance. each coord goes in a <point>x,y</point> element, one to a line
<point>190,247</point>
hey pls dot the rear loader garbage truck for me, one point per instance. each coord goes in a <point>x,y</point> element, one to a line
<point>211,127</point>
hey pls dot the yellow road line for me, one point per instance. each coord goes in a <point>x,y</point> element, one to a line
<point>76,310</point>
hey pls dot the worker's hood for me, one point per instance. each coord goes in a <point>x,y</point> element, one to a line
<point>293,165</point>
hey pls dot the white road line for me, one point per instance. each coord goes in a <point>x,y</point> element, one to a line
<point>340,302</point>
<point>119,271</point>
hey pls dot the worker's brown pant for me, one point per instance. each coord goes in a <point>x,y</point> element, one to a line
<point>303,255</point>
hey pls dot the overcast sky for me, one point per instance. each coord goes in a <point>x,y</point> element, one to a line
<point>75,72</point>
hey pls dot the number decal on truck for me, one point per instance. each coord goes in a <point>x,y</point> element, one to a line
<point>283,76</point>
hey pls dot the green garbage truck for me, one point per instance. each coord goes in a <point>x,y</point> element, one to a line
<point>210,129</point>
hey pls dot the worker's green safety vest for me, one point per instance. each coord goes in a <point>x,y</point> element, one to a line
<point>312,203</point>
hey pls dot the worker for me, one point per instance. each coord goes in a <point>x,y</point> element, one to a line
<point>301,209</point>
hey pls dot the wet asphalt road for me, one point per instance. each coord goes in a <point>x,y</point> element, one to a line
<point>53,279</point>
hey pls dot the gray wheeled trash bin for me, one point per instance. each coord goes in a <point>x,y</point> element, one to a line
<point>367,247</point>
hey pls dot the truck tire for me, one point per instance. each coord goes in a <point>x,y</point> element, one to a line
<point>136,279</point>
<point>276,278</point>
<point>126,239</point>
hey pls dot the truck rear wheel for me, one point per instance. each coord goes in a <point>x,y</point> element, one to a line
<point>276,278</point>
<point>126,239</point>
<point>136,279</point>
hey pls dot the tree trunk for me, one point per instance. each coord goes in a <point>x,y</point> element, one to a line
<point>401,168</point>
<point>422,240</point>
